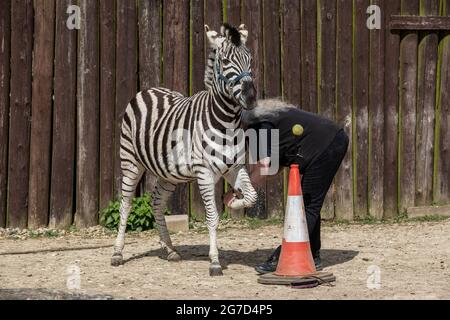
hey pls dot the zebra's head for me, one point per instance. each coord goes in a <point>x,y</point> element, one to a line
<point>232,66</point>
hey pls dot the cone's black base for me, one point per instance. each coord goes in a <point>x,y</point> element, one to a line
<point>309,281</point>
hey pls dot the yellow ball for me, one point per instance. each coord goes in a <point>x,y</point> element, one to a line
<point>297,130</point>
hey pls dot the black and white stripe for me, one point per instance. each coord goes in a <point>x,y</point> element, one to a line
<point>152,141</point>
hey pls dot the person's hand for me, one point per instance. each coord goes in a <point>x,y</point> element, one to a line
<point>260,172</point>
<point>228,198</point>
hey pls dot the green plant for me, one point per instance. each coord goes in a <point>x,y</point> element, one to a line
<point>140,219</point>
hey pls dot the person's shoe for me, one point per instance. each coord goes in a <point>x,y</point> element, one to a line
<point>318,263</point>
<point>271,264</point>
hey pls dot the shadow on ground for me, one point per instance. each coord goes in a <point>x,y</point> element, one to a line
<point>228,257</point>
<point>46,294</point>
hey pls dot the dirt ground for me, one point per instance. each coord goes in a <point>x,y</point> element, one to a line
<point>413,259</point>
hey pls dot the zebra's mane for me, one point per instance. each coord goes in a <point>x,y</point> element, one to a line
<point>232,34</point>
<point>266,109</point>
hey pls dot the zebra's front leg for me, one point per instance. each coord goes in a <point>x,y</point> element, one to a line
<point>163,190</point>
<point>239,179</point>
<point>131,174</point>
<point>206,184</point>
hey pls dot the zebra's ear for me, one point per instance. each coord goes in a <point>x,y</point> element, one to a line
<point>214,40</point>
<point>244,33</point>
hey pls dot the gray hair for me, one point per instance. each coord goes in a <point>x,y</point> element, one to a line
<point>266,109</point>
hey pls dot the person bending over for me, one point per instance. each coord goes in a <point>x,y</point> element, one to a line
<point>293,136</point>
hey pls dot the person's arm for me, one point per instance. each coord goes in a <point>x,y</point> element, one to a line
<point>260,171</point>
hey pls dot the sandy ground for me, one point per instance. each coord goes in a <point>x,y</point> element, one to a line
<point>413,259</point>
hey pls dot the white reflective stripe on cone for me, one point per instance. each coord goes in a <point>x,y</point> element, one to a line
<point>295,226</point>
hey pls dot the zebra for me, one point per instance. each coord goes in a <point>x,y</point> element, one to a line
<point>150,141</point>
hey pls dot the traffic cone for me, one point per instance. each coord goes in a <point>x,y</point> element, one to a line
<point>296,258</point>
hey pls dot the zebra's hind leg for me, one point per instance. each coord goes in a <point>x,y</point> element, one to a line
<point>206,184</point>
<point>163,190</point>
<point>131,174</point>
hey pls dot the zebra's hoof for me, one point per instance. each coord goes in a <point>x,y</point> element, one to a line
<point>174,257</point>
<point>117,260</point>
<point>215,270</point>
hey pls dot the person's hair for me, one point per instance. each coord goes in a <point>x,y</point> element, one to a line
<point>266,109</point>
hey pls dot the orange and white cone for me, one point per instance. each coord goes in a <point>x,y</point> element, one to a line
<point>296,258</point>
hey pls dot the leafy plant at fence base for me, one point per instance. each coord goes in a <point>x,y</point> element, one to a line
<point>140,219</point>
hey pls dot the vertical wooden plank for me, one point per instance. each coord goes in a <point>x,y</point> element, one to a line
<point>391,103</point>
<point>198,51</point>
<point>20,111</point>
<point>64,115</point>
<point>344,177</point>
<point>41,124</point>
<point>272,88</point>
<point>233,11</point>
<point>252,17</point>
<point>213,14</point>
<point>292,66</point>
<point>198,63</point>
<point>107,101</point>
<point>149,57</point>
<point>442,181</point>
<point>376,119</point>
<point>176,57</point>
<point>292,51</point>
<point>5,51</point>
<point>309,55</point>
<point>426,103</point>
<point>327,78</point>
<point>88,117</point>
<point>126,71</point>
<point>407,116</point>
<point>361,105</point>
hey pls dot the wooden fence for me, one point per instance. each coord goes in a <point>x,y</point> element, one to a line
<point>62,92</point>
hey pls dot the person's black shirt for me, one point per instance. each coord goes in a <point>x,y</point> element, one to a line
<point>318,134</point>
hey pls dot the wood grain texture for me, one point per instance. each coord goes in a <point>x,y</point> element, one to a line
<point>234,12</point>
<point>426,103</point>
<point>292,75</point>
<point>64,115</point>
<point>198,46</point>
<point>309,55</point>
<point>5,71</point>
<point>432,23</point>
<point>361,105</point>
<point>176,57</point>
<point>376,120</point>
<point>272,88</point>
<point>107,101</point>
<point>20,112</point>
<point>88,160</point>
<point>42,103</point>
<point>344,108</point>
<point>391,116</point>
<point>149,58</point>
<point>327,80</point>
<point>408,99</point>
<point>442,181</point>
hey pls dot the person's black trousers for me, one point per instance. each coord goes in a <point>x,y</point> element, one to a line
<point>317,178</point>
